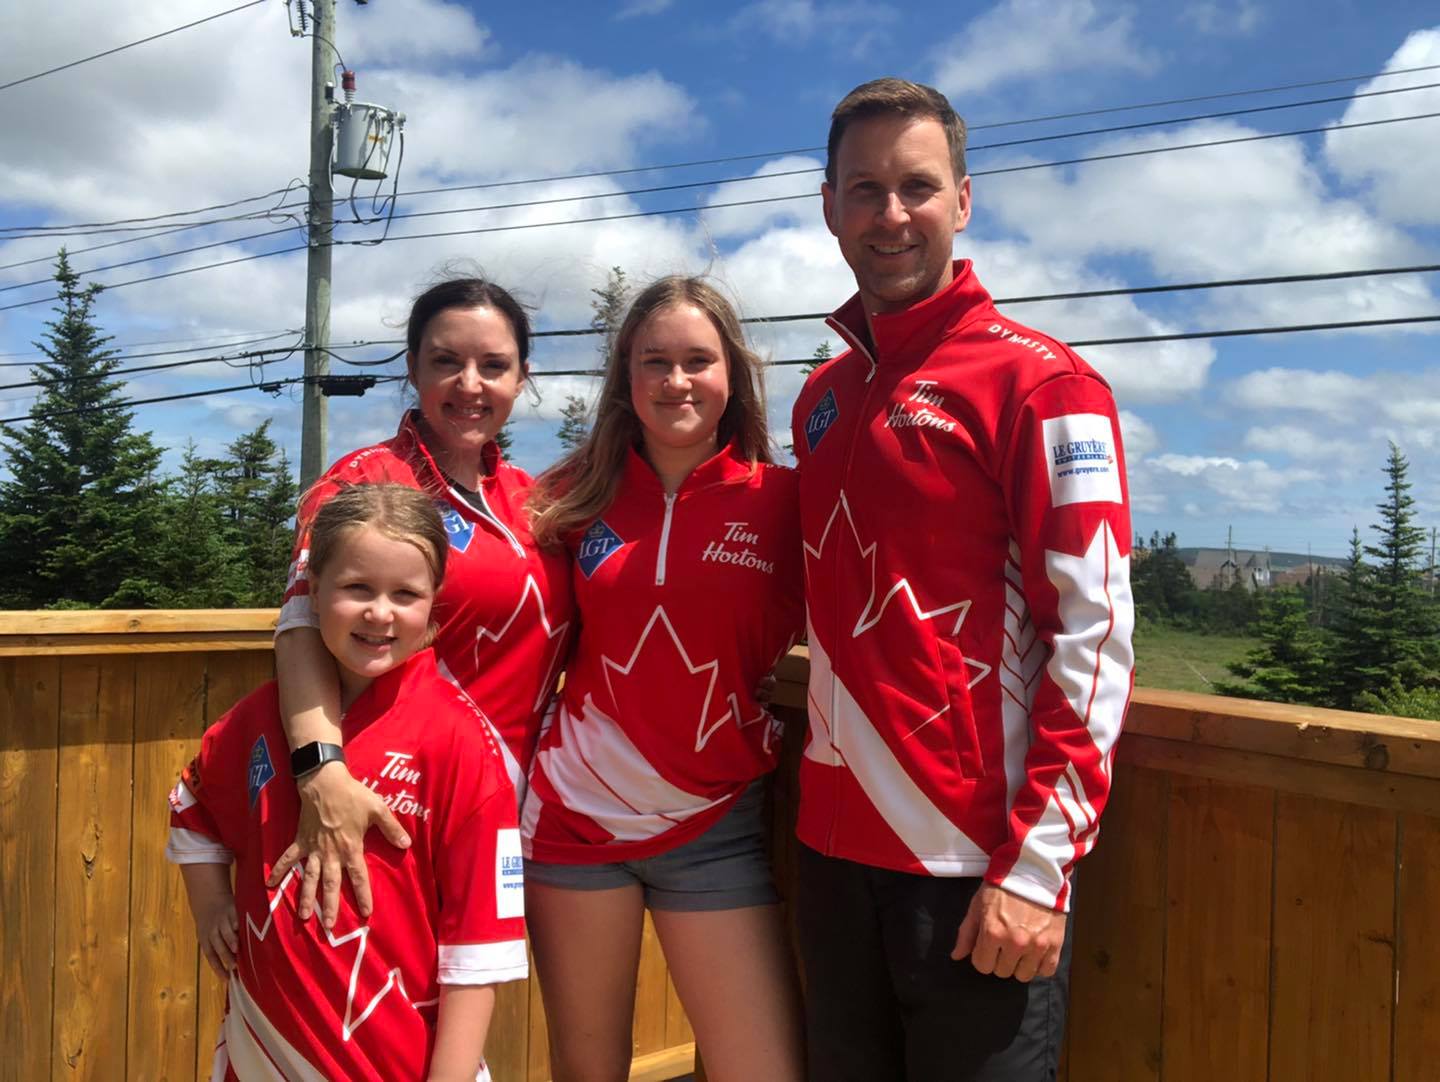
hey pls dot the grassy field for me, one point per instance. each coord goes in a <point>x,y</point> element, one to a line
<point>1167,657</point>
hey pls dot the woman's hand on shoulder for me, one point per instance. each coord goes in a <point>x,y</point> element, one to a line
<point>336,811</point>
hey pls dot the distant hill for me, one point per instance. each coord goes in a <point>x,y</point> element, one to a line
<point>1279,561</point>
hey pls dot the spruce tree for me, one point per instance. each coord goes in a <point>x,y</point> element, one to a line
<point>608,308</point>
<point>574,423</point>
<point>1290,664</point>
<point>505,437</point>
<point>77,515</point>
<point>257,495</point>
<point>1403,639</point>
<point>822,354</point>
<point>1159,579</point>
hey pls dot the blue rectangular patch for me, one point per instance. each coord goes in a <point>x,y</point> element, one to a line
<point>820,420</point>
<point>261,769</point>
<point>598,545</point>
<point>458,528</point>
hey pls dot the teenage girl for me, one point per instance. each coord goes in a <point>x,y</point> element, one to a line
<point>684,546</point>
<point>408,993</point>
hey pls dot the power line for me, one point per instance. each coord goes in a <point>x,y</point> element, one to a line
<point>41,230</point>
<point>596,372</point>
<point>228,359</point>
<point>195,344</point>
<point>131,45</point>
<point>1144,152</point>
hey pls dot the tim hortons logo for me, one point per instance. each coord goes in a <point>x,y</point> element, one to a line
<point>398,771</point>
<point>915,411</point>
<point>737,533</point>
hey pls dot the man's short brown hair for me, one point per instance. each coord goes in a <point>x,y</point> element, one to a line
<point>896,97</point>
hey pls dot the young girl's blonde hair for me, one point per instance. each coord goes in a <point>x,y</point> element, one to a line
<point>582,485</point>
<point>399,512</point>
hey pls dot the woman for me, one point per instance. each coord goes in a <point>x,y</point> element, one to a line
<point>685,554</point>
<point>504,610</point>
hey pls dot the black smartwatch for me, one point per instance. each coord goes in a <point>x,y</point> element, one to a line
<point>310,757</point>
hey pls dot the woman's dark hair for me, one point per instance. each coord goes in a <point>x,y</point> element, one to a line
<point>467,293</point>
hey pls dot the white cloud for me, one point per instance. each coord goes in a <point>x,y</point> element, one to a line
<point>1020,38</point>
<point>633,9</point>
<point>730,222</point>
<point>417,30</point>
<point>853,24</point>
<point>1398,162</point>
<point>1213,17</point>
<point>1233,484</point>
<point>1297,441</point>
<point>1137,434</point>
<point>1399,406</point>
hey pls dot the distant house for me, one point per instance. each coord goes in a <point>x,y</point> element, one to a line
<point>1254,570</point>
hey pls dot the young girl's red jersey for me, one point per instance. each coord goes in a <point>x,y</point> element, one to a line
<point>504,609</point>
<point>358,1001</point>
<point>686,602</point>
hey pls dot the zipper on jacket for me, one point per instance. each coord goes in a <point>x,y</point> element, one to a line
<point>494,520</point>
<point>664,539</point>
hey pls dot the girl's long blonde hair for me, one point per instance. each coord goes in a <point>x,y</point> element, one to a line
<point>582,485</point>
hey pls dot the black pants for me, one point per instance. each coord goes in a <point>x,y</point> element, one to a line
<point>884,1000</point>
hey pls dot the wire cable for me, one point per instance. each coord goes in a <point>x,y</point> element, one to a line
<point>596,372</point>
<point>131,45</point>
<point>194,343</point>
<point>228,359</point>
<point>737,203</point>
<point>797,150</point>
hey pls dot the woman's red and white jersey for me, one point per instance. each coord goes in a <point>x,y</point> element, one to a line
<point>686,602</point>
<point>504,610</point>
<point>359,1000</point>
<point>967,537</point>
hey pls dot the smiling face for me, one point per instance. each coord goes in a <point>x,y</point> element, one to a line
<point>373,598</point>
<point>679,378</point>
<point>895,208</point>
<point>467,374</point>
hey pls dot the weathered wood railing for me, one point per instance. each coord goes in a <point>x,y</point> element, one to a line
<point>1261,905</point>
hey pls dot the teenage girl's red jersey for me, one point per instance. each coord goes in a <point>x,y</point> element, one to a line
<point>504,610</point>
<point>359,1001</point>
<point>686,602</point>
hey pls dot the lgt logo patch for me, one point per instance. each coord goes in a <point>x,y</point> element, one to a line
<point>261,769</point>
<point>598,545</point>
<point>458,528</point>
<point>820,420</point>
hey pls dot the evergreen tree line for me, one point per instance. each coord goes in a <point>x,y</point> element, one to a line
<point>1371,640</point>
<point>86,519</point>
<point>1166,594</point>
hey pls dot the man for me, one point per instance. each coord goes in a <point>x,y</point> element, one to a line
<point>967,538</point>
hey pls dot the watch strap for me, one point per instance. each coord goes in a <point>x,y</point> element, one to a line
<point>310,757</point>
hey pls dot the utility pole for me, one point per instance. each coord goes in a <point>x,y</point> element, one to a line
<point>314,429</point>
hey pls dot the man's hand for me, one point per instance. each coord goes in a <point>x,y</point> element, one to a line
<point>335,812</point>
<point>1009,936</point>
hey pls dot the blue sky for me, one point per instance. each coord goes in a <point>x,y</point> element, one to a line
<point>1280,437</point>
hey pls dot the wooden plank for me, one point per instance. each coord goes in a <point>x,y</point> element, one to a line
<point>1333,941</point>
<point>1217,931</point>
<point>1307,733</point>
<point>506,1044</point>
<point>169,705</point>
<point>135,621</point>
<point>1117,965</point>
<point>677,1024</point>
<point>29,764</point>
<point>228,678</point>
<point>1372,788</point>
<point>663,1065</point>
<point>92,645</point>
<point>1417,1036</point>
<point>538,1052</point>
<point>648,1029</point>
<point>92,889</point>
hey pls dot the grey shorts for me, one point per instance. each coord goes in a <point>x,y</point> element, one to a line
<point>724,868</point>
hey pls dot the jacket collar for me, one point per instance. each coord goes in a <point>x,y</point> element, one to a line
<point>722,468</point>
<point>908,336</point>
<point>410,443</point>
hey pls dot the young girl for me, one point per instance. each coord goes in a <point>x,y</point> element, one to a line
<point>408,993</point>
<point>686,560</point>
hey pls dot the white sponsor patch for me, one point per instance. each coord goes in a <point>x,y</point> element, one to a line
<point>1080,451</point>
<point>509,875</point>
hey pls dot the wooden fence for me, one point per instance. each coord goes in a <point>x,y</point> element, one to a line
<point>1262,904</point>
